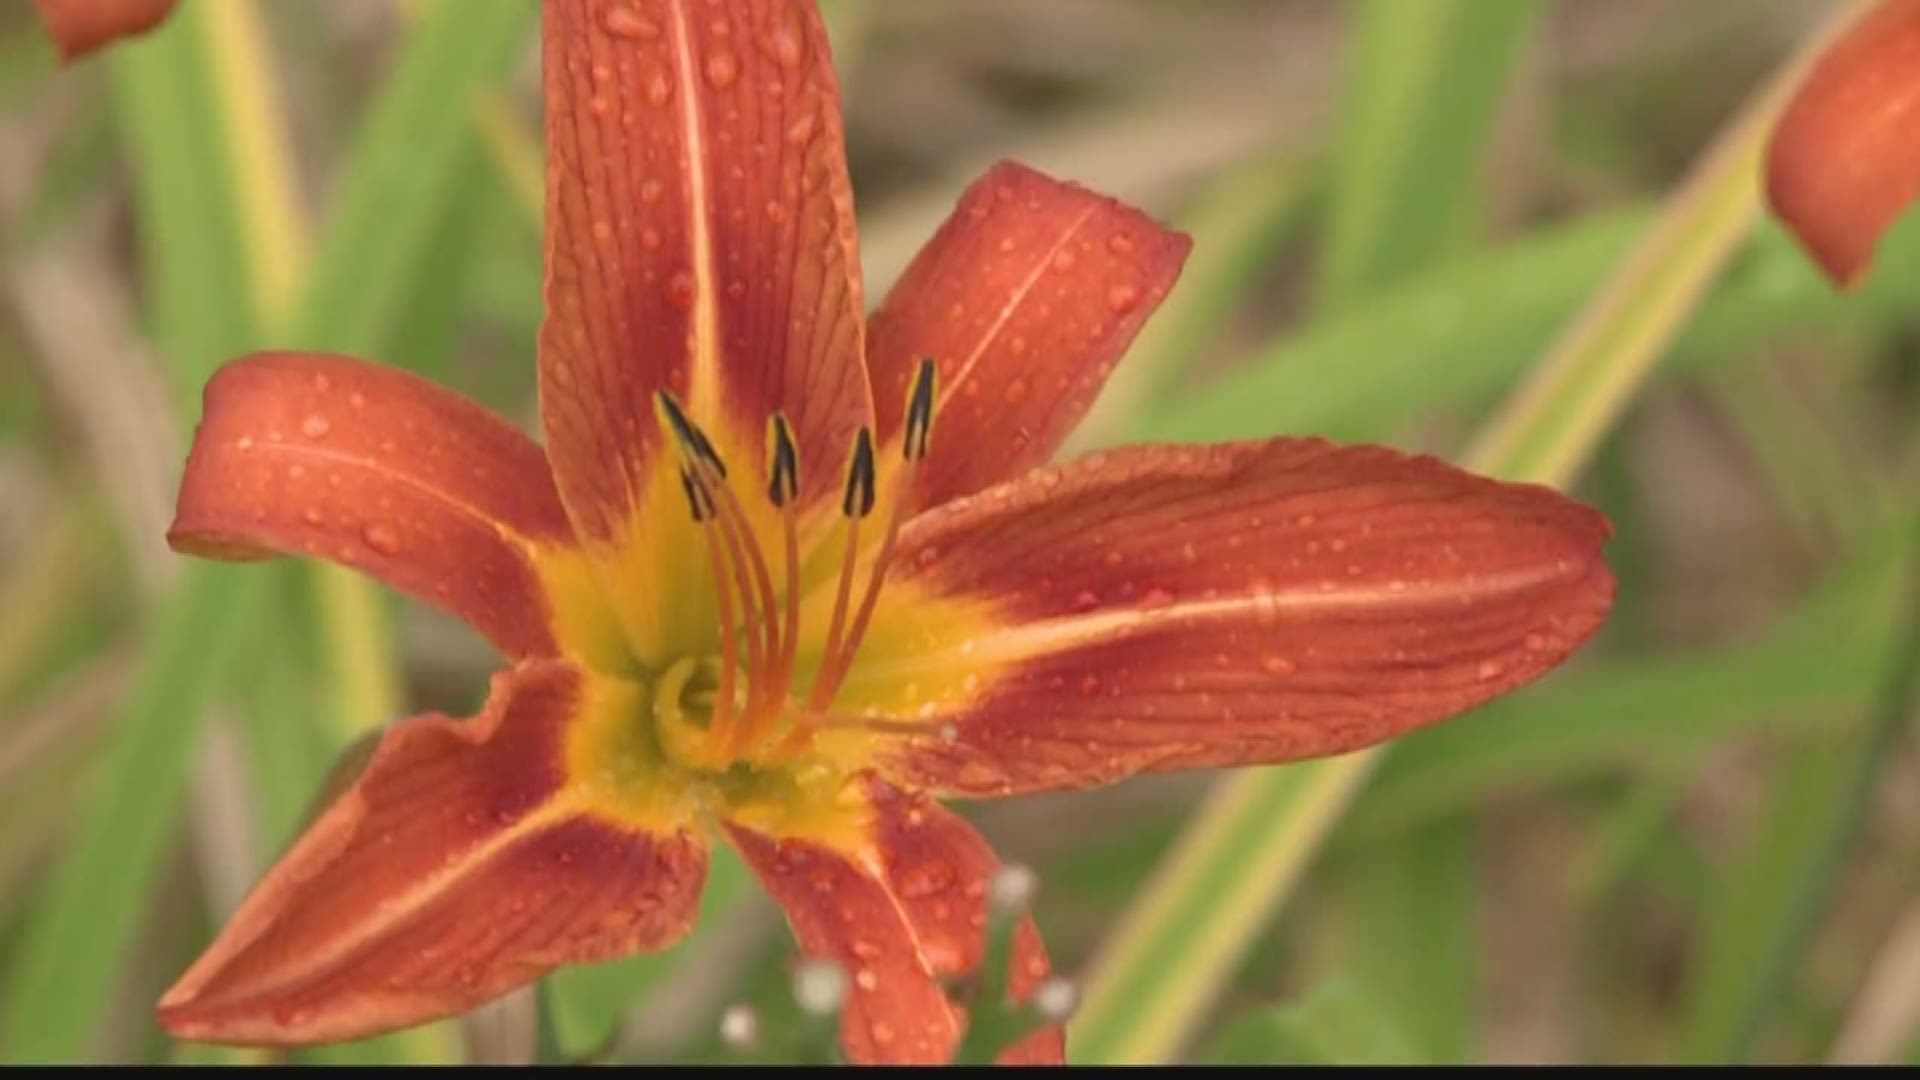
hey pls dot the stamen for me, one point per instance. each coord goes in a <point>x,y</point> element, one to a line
<point>783,490</point>
<point>920,400</point>
<point>783,463</point>
<point>856,504</point>
<point>913,450</point>
<point>704,477</point>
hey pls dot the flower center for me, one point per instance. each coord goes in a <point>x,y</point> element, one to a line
<point>745,705</point>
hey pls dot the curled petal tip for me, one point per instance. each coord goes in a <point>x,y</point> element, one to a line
<point>79,27</point>
<point>1844,161</point>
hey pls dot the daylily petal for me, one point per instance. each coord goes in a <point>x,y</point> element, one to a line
<point>301,454</point>
<point>900,914</point>
<point>1176,607</point>
<point>458,867</point>
<point>1845,158</point>
<point>700,238</point>
<point>79,27</point>
<point>1025,298</point>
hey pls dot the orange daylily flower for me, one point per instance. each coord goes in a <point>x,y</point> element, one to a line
<point>778,579</point>
<point>79,27</point>
<point>1844,161</point>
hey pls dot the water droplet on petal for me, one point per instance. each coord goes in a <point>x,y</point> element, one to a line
<point>784,44</point>
<point>722,69</point>
<point>680,289</point>
<point>1120,244</point>
<point>926,879</point>
<point>1123,299</point>
<point>313,427</point>
<point>382,539</point>
<point>659,88</point>
<point>628,23</point>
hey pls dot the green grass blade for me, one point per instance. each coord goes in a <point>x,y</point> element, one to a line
<point>1426,80</point>
<point>89,907</point>
<point>98,891</point>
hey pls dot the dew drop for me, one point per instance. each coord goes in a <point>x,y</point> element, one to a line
<point>1490,669</point>
<point>312,516</point>
<point>1122,299</point>
<point>382,539</point>
<point>776,212</point>
<point>783,43</point>
<point>801,130</point>
<point>680,289</point>
<point>1277,665</point>
<point>313,427</point>
<point>628,23</point>
<point>926,879</point>
<point>722,69</point>
<point>1017,391</point>
<point>1063,260</point>
<point>1086,600</point>
<point>1120,244</point>
<point>603,231</point>
<point>659,89</point>
<point>650,239</point>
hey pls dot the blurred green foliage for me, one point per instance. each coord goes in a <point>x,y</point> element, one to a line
<point>1693,844</point>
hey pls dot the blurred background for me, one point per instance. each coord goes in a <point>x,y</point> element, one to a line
<point>1696,842</point>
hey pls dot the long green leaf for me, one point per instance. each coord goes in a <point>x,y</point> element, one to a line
<point>88,910</point>
<point>1425,83</point>
<point>92,905</point>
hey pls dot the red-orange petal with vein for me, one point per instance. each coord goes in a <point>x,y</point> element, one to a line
<point>1025,299</point>
<point>700,238</point>
<point>453,871</point>
<point>1844,161</point>
<point>1183,607</point>
<point>368,466</point>
<point>79,27</point>
<point>899,920</point>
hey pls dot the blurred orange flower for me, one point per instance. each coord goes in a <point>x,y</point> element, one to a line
<point>1845,159</point>
<point>79,27</point>
<point>779,579</point>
